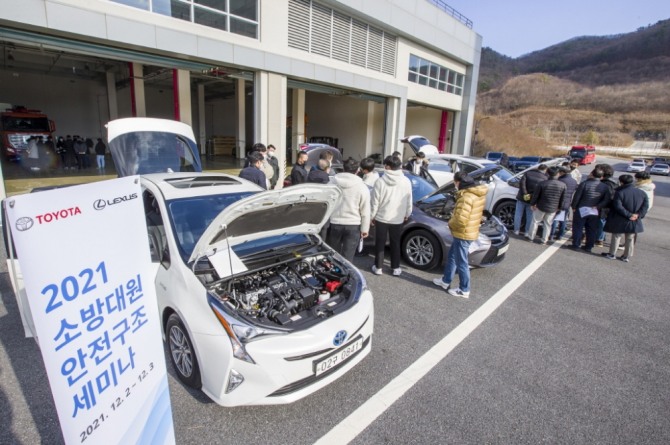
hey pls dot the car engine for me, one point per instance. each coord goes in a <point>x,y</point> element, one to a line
<point>289,293</point>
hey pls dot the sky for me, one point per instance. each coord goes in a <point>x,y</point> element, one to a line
<point>518,27</point>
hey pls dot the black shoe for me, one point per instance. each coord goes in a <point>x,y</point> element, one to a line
<point>623,258</point>
<point>586,249</point>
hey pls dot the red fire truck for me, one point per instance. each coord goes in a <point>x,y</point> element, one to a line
<point>17,125</point>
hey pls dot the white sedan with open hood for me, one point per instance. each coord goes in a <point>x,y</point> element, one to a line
<point>256,309</point>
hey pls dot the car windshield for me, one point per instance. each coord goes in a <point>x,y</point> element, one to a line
<point>661,166</point>
<point>191,216</point>
<point>142,152</point>
<point>504,174</point>
<point>421,188</point>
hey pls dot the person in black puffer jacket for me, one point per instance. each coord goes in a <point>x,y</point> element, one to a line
<point>612,184</point>
<point>547,200</point>
<point>590,197</point>
<point>527,185</point>
<point>558,227</point>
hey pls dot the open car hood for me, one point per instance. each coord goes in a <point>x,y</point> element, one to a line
<point>549,163</point>
<point>302,208</point>
<point>146,145</point>
<point>482,174</point>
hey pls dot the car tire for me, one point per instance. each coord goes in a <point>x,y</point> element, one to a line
<point>421,250</point>
<point>182,354</point>
<point>504,211</point>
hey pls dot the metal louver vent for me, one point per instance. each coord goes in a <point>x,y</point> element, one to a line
<point>298,24</point>
<point>388,55</point>
<point>318,29</point>
<point>359,42</point>
<point>341,37</point>
<point>375,38</point>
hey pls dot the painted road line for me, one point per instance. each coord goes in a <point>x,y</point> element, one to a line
<point>363,416</point>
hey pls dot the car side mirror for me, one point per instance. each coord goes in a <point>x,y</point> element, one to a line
<point>514,182</point>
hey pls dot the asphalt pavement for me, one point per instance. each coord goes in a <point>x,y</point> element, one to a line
<point>578,353</point>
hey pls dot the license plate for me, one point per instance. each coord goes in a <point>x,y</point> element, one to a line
<point>503,250</point>
<point>340,356</point>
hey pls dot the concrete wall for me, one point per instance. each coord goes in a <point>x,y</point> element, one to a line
<point>424,121</point>
<point>345,118</point>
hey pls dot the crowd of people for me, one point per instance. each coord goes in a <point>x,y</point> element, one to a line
<point>554,200</point>
<point>67,153</point>
<point>597,205</point>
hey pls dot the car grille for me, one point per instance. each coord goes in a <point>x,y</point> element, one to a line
<point>323,351</point>
<point>491,258</point>
<point>303,383</point>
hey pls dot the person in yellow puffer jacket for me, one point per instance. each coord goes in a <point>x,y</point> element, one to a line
<point>464,225</point>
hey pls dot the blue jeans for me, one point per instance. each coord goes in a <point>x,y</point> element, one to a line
<point>522,208</point>
<point>600,236</point>
<point>558,229</point>
<point>457,261</point>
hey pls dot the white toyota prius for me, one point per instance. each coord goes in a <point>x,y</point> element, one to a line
<point>256,309</point>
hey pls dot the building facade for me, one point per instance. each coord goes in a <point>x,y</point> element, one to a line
<point>362,73</point>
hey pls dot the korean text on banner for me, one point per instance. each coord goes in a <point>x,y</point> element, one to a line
<point>86,265</point>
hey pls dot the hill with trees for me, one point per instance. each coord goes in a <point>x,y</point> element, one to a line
<point>604,90</point>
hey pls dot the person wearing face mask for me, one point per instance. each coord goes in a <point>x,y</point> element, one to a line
<point>464,225</point>
<point>274,163</point>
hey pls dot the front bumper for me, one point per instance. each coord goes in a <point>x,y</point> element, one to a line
<point>285,364</point>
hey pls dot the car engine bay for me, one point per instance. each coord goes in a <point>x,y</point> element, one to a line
<point>295,292</point>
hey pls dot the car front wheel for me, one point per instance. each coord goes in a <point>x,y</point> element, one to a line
<point>182,353</point>
<point>422,250</point>
<point>505,213</point>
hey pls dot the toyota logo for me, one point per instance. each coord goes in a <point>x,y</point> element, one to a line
<point>339,338</point>
<point>24,223</point>
<point>99,204</point>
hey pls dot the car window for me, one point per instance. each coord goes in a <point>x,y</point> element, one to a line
<point>467,168</point>
<point>191,216</point>
<point>504,175</point>
<point>440,165</point>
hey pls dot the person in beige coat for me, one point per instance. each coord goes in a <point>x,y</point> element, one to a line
<point>464,225</point>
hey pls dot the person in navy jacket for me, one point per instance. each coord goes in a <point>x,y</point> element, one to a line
<point>253,172</point>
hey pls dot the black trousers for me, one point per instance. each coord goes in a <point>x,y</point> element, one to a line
<point>393,231</point>
<point>344,239</point>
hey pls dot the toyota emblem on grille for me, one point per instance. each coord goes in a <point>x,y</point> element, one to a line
<point>339,338</point>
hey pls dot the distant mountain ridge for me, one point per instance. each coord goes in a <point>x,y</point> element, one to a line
<point>599,90</point>
<point>640,56</point>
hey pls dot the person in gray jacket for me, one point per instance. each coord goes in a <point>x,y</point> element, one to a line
<point>547,200</point>
<point>350,220</point>
<point>391,207</point>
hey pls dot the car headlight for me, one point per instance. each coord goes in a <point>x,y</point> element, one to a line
<point>239,332</point>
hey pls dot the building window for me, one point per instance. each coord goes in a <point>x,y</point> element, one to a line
<point>236,16</point>
<point>425,72</point>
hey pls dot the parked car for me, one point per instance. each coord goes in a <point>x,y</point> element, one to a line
<point>636,165</point>
<point>660,169</point>
<point>494,156</point>
<point>255,308</point>
<point>426,237</point>
<point>524,162</point>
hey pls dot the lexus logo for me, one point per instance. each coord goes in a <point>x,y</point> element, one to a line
<point>99,204</point>
<point>339,338</point>
<point>24,223</point>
